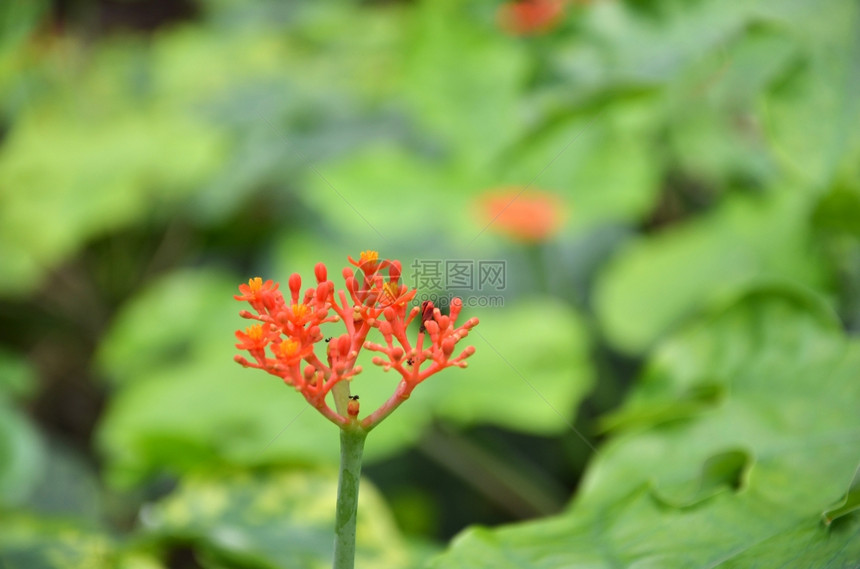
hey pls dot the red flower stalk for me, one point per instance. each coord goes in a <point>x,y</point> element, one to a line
<point>287,332</point>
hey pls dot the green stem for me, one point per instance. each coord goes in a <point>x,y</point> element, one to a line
<point>351,448</point>
<point>340,392</point>
<point>540,276</point>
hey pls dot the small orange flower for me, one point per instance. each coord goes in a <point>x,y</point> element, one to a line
<point>262,296</point>
<point>290,352</point>
<point>299,314</point>
<point>389,291</point>
<point>368,261</point>
<point>254,338</point>
<point>255,289</point>
<point>288,348</point>
<point>531,216</point>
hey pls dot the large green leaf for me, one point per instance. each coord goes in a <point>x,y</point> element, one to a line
<point>463,79</point>
<point>21,455</point>
<point>363,195</point>
<point>711,113</point>
<point>36,472</point>
<point>181,317</point>
<point>17,20</point>
<point>530,371</point>
<point>811,110</point>
<point>120,157</point>
<point>838,212</point>
<point>624,44</point>
<point>17,377</point>
<point>657,281</point>
<point>36,543</point>
<point>847,506</point>
<point>579,158</point>
<point>181,401</point>
<point>275,519</point>
<point>640,50</point>
<point>743,82</point>
<point>763,461</point>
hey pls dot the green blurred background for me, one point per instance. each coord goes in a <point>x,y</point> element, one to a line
<point>153,155</point>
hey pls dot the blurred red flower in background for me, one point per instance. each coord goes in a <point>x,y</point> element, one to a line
<point>530,17</point>
<point>531,216</point>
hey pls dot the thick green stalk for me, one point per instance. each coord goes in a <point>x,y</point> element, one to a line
<point>351,448</point>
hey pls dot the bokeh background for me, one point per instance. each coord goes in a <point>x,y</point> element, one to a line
<point>637,165</point>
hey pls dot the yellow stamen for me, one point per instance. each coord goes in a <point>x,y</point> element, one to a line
<point>255,332</point>
<point>256,284</point>
<point>390,290</point>
<point>369,256</point>
<point>288,348</point>
<point>300,310</point>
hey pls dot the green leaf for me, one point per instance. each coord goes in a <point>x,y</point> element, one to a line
<point>764,461</point>
<point>17,377</point>
<point>529,373</point>
<point>579,159</point>
<point>686,404</point>
<point>21,456</point>
<point>811,110</point>
<point>363,195</point>
<point>722,471</point>
<point>848,505</point>
<point>838,211</point>
<point>123,155</point>
<point>463,79</point>
<point>18,18</point>
<point>641,52</point>
<point>274,519</point>
<point>37,543</point>
<point>657,281</point>
<point>179,318</point>
<point>65,483</point>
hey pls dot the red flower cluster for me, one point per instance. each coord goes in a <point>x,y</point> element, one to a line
<point>283,340</point>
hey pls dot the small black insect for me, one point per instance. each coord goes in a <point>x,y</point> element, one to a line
<point>327,340</point>
<point>354,397</point>
<point>410,361</point>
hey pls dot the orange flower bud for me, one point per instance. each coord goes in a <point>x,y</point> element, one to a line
<point>394,271</point>
<point>344,344</point>
<point>432,327</point>
<point>295,284</point>
<point>320,272</point>
<point>352,408</point>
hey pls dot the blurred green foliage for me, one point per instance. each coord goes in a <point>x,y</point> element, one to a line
<point>709,157</point>
<point>241,519</point>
